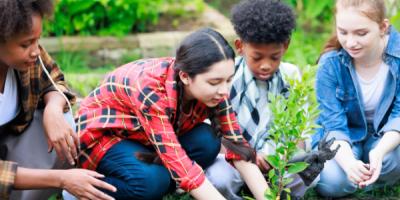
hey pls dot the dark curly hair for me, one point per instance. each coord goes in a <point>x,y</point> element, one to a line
<point>263,21</point>
<point>16,15</point>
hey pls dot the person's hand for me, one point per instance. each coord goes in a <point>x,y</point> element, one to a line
<point>60,134</point>
<point>375,163</point>
<point>262,163</point>
<point>357,171</point>
<point>84,184</point>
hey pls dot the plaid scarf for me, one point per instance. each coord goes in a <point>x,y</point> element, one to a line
<point>250,101</point>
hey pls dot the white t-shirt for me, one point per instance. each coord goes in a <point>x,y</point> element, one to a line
<point>372,91</point>
<point>9,98</point>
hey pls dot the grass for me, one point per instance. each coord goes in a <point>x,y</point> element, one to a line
<point>385,193</point>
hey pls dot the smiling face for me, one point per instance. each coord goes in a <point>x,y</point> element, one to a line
<point>21,52</point>
<point>360,36</point>
<point>209,87</point>
<point>262,59</point>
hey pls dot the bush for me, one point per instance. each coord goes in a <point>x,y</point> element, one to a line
<point>107,17</point>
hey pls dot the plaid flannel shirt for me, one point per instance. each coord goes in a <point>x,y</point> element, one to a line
<point>138,101</point>
<point>33,84</point>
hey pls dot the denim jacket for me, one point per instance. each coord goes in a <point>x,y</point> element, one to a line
<point>340,98</point>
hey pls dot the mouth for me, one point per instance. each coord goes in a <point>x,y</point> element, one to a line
<point>264,76</point>
<point>216,100</point>
<point>354,51</point>
<point>30,63</point>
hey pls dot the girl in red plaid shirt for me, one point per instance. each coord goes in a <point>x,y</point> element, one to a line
<point>143,126</point>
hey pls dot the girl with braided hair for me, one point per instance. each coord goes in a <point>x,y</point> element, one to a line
<point>143,126</point>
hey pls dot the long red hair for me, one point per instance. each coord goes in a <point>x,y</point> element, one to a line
<point>373,9</point>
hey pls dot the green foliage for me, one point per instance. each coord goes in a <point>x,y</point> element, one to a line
<point>110,17</point>
<point>313,15</point>
<point>293,122</point>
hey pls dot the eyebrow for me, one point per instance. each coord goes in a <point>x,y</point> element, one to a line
<point>217,79</point>
<point>360,29</point>
<point>278,52</point>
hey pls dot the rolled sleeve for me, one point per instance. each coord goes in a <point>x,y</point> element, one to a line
<point>339,135</point>
<point>8,171</point>
<point>392,125</point>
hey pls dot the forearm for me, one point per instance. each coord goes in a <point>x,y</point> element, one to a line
<point>390,140</point>
<point>344,154</point>
<point>253,177</point>
<point>206,191</point>
<point>26,179</point>
<point>54,100</point>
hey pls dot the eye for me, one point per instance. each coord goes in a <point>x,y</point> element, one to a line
<point>362,33</point>
<point>257,58</point>
<point>342,32</point>
<point>25,45</point>
<point>275,58</point>
<point>213,83</point>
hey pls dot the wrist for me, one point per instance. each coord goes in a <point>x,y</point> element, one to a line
<point>377,152</point>
<point>347,163</point>
<point>60,178</point>
<point>53,107</point>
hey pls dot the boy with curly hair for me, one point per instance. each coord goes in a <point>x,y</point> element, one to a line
<point>264,28</point>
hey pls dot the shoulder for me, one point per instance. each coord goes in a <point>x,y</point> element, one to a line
<point>333,55</point>
<point>145,70</point>
<point>289,70</point>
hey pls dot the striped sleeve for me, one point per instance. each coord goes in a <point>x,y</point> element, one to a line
<point>8,171</point>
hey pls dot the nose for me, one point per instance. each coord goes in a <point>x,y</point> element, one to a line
<point>35,51</point>
<point>264,67</point>
<point>351,42</point>
<point>224,89</point>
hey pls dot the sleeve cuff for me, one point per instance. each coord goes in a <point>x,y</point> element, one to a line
<point>338,135</point>
<point>193,180</point>
<point>8,170</point>
<point>391,125</point>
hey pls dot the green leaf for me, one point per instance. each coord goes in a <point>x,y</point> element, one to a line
<point>273,160</point>
<point>297,167</point>
<point>286,181</point>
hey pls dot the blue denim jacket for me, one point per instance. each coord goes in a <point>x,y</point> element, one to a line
<point>340,98</point>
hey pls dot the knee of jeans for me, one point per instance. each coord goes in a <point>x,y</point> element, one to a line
<point>334,185</point>
<point>154,185</point>
<point>210,146</point>
<point>391,164</point>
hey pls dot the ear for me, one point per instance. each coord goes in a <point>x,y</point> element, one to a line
<point>184,77</point>
<point>286,45</point>
<point>239,46</point>
<point>384,27</point>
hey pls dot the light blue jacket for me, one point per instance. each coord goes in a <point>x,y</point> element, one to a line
<point>340,98</point>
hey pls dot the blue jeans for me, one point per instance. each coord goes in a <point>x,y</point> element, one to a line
<point>334,182</point>
<point>135,179</point>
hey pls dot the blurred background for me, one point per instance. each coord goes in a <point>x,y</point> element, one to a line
<point>90,37</point>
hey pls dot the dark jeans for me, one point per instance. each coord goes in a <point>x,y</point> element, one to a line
<point>135,179</point>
